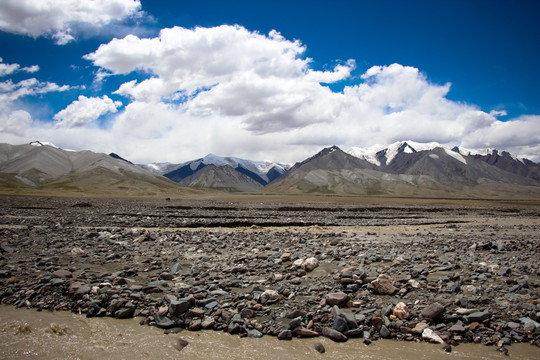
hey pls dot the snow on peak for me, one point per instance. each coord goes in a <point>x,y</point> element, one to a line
<point>455,155</point>
<point>43,143</point>
<point>370,153</point>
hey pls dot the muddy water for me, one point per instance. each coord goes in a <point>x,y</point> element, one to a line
<point>28,334</point>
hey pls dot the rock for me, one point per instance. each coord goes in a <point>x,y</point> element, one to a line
<point>382,285</point>
<point>294,323</point>
<point>333,334</point>
<point>433,311</point>
<point>419,328</point>
<point>124,313</point>
<point>337,298</point>
<point>310,264</point>
<point>478,316</point>
<point>78,289</point>
<point>447,348</point>
<point>176,268</point>
<point>385,333</point>
<point>319,347</point>
<point>178,307</point>
<point>62,274</point>
<point>285,257</point>
<point>303,332</point>
<point>431,336</point>
<point>56,281</point>
<point>93,310</point>
<point>457,328</point>
<point>268,295</point>
<point>254,333</point>
<point>208,323</point>
<point>195,325</point>
<point>529,324</point>
<point>181,343</point>
<point>234,328</point>
<point>247,313</point>
<point>295,313</point>
<point>400,311</point>
<point>164,322</point>
<point>285,335</point>
<point>340,324</point>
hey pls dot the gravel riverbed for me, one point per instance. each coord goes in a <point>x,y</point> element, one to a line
<point>447,274</point>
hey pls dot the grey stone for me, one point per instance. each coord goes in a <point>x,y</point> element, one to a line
<point>478,316</point>
<point>178,307</point>
<point>254,333</point>
<point>333,334</point>
<point>385,333</point>
<point>340,324</point>
<point>285,335</point>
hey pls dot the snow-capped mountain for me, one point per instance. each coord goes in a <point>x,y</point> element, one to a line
<point>381,155</point>
<point>39,166</point>
<point>262,172</point>
<point>404,169</point>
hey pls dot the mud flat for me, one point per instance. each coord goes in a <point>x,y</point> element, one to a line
<point>450,273</point>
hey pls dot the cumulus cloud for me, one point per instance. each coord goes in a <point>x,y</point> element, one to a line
<point>85,110</point>
<point>15,121</point>
<point>57,18</point>
<point>11,91</point>
<point>8,69</point>
<point>230,91</point>
<point>226,70</point>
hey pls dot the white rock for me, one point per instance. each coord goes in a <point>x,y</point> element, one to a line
<point>310,263</point>
<point>430,335</point>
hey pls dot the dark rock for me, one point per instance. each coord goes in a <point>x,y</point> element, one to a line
<point>124,313</point>
<point>319,347</point>
<point>178,307</point>
<point>433,311</point>
<point>385,333</point>
<point>303,332</point>
<point>164,322</point>
<point>285,335</point>
<point>340,324</point>
<point>246,313</point>
<point>447,348</point>
<point>333,334</point>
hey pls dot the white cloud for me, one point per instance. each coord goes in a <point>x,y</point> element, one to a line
<point>8,69</point>
<point>57,18</point>
<point>85,110</point>
<point>230,91</point>
<point>15,123</point>
<point>10,91</point>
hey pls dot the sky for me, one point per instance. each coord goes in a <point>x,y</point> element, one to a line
<point>172,81</point>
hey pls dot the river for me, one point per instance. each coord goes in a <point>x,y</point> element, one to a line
<point>29,334</point>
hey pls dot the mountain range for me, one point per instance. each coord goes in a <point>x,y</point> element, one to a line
<point>403,168</point>
<point>49,169</point>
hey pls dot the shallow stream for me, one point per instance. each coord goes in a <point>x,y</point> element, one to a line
<point>29,334</point>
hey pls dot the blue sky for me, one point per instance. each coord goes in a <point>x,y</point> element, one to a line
<point>269,80</point>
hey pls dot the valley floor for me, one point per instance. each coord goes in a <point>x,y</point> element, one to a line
<point>241,266</point>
